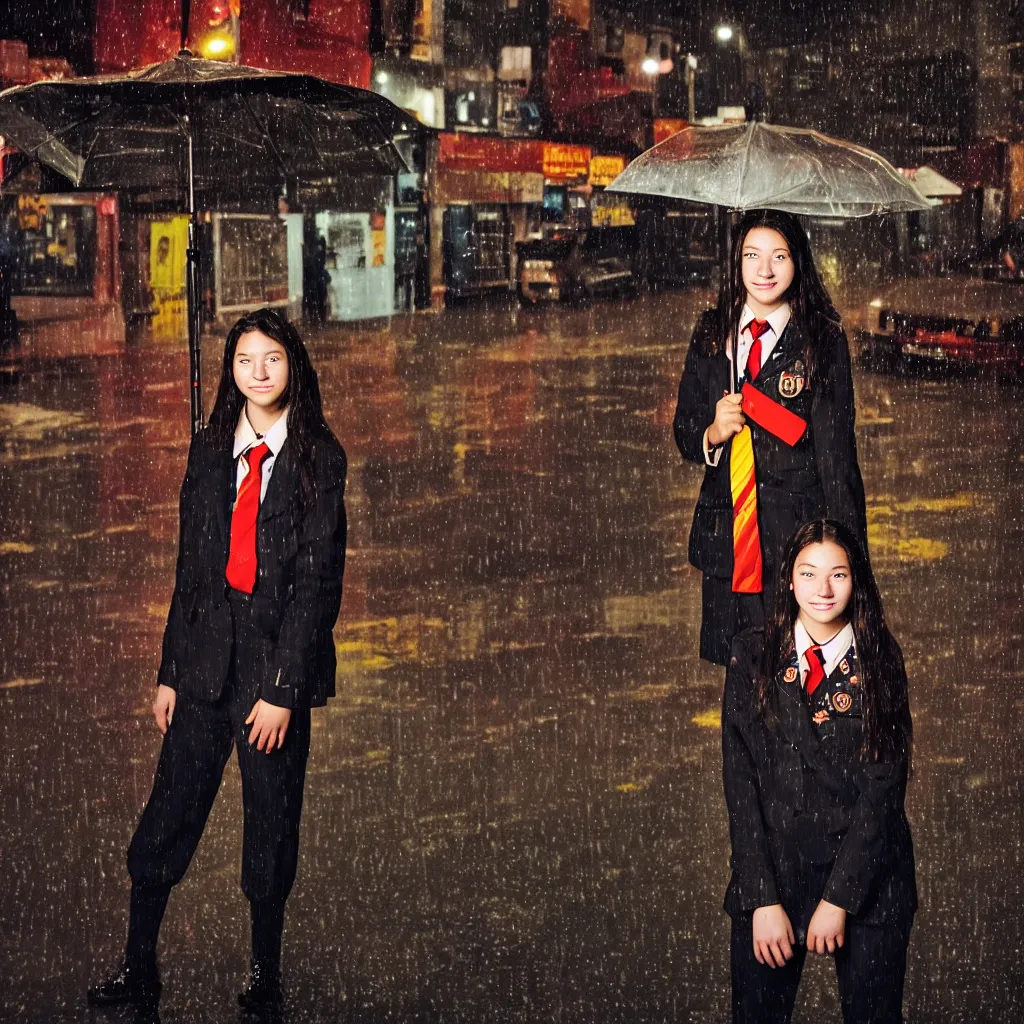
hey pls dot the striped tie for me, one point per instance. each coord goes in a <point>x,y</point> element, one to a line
<point>241,570</point>
<point>746,538</point>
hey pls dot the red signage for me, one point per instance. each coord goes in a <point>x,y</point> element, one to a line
<point>463,151</point>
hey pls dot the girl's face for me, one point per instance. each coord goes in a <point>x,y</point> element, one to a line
<point>260,370</point>
<point>822,585</point>
<point>767,268</point>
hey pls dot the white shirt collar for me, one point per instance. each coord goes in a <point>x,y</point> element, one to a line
<point>832,652</point>
<point>778,318</point>
<point>246,437</point>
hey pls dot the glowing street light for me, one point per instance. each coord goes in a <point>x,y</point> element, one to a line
<point>651,66</point>
<point>217,45</point>
<point>723,33</point>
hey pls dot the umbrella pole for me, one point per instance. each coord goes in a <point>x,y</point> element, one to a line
<point>195,325</point>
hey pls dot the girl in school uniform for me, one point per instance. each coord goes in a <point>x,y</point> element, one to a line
<point>775,431</point>
<point>816,742</point>
<point>248,647</point>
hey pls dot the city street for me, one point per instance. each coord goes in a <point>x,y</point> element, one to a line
<point>514,807</point>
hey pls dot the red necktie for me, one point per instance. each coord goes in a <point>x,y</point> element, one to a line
<point>756,328</point>
<point>241,570</point>
<point>815,669</point>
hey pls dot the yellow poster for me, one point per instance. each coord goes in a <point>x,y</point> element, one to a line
<point>168,240</point>
<point>379,242</point>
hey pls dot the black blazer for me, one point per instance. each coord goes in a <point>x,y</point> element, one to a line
<point>818,476</point>
<point>803,804</point>
<point>297,595</point>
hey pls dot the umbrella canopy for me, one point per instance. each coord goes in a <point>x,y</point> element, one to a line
<point>247,127</point>
<point>756,165</point>
<point>193,127</point>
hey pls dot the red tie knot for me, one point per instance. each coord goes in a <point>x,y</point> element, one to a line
<point>254,456</point>
<point>815,668</point>
<point>757,328</point>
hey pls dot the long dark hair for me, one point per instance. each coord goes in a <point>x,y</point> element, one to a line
<point>306,423</point>
<point>888,731</point>
<point>811,304</point>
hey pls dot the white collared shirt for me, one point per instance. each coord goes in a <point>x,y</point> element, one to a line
<point>832,652</point>
<point>246,438</point>
<point>777,321</point>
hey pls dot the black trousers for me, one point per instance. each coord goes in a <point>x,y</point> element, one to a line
<point>724,614</point>
<point>196,747</point>
<point>870,969</point>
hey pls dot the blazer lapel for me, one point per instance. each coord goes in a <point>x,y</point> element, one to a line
<point>222,492</point>
<point>283,482</point>
<point>787,350</point>
<point>794,720</point>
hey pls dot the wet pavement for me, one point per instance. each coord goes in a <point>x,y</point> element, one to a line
<point>514,808</point>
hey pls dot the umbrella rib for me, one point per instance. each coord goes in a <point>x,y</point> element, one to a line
<point>266,137</point>
<point>746,163</point>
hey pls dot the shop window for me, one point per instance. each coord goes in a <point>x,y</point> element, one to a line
<point>56,248</point>
<point>555,202</point>
<point>252,266</point>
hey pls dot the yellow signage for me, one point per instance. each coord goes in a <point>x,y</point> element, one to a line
<point>605,169</point>
<point>563,162</point>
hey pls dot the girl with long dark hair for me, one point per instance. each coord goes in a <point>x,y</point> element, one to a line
<point>816,746</point>
<point>766,405</point>
<point>248,647</point>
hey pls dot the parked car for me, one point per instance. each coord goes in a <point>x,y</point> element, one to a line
<point>553,269</point>
<point>951,323</point>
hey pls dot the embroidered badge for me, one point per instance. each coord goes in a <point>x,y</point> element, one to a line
<point>790,675</point>
<point>853,680</point>
<point>842,701</point>
<point>790,385</point>
<point>844,667</point>
<point>820,717</point>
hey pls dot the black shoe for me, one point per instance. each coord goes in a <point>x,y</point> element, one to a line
<point>263,996</point>
<point>129,984</point>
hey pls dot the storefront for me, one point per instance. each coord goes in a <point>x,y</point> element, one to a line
<point>66,270</point>
<point>351,229</point>
<point>486,195</point>
<point>612,221</point>
<point>489,193</point>
<point>567,189</point>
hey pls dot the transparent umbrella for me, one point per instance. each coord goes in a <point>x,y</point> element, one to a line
<point>755,166</point>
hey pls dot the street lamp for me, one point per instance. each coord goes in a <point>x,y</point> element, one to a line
<point>723,33</point>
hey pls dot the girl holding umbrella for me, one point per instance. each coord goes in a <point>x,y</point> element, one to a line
<point>766,405</point>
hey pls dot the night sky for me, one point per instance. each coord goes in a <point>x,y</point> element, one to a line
<point>52,28</point>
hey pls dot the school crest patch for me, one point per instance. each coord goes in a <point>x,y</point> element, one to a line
<point>844,667</point>
<point>842,701</point>
<point>790,675</point>
<point>820,717</point>
<point>792,382</point>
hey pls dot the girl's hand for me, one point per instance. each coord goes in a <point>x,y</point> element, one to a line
<point>269,724</point>
<point>773,936</point>
<point>729,419</point>
<point>163,707</point>
<point>827,927</point>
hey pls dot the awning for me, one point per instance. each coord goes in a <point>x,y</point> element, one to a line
<point>931,183</point>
